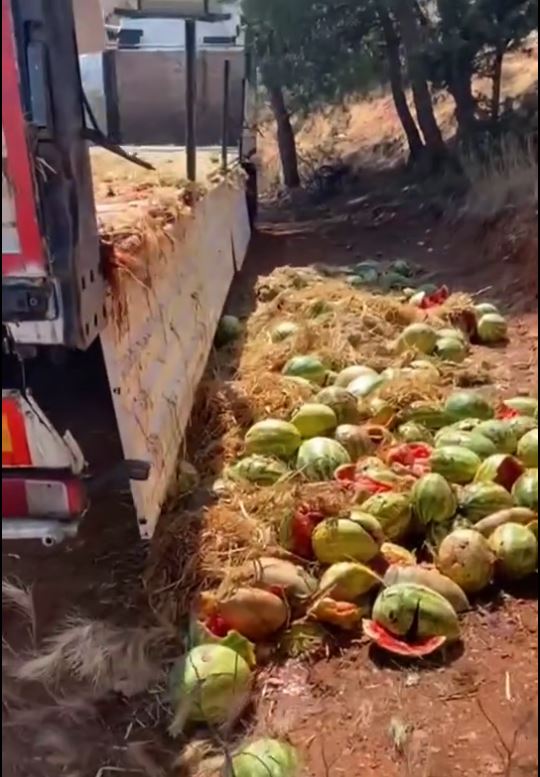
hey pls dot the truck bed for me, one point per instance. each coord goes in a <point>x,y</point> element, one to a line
<point>171,259</point>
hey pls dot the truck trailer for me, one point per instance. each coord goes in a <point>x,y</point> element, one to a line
<point>128,252</point>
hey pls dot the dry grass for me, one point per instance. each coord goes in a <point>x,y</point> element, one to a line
<point>102,657</point>
<point>367,132</point>
<point>340,325</point>
<point>507,179</point>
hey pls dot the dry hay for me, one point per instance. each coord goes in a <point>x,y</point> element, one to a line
<point>342,326</point>
<point>224,411</point>
<point>203,549</point>
<point>193,551</point>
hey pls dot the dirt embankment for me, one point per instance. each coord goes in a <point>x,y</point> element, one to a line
<point>366,133</point>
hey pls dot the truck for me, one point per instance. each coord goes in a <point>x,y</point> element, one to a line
<point>121,251</point>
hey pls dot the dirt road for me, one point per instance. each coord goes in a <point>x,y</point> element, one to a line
<point>350,715</point>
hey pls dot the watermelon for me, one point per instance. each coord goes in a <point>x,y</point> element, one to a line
<point>212,683</point>
<point>314,420</point>
<point>522,424</point>
<point>264,758</point>
<point>500,433</point>
<point>516,551</point>
<point>418,298</point>
<point>527,450</point>
<point>402,267</point>
<point>319,458</point>
<point>347,581</point>
<point>415,611</point>
<point>380,412</point>
<point>355,440</point>
<point>273,438</point>
<point>343,539</point>
<point>427,368</point>
<point>450,349</point>
<point>284,330</point>
<point>465,557</point>
<point>453,334</point>
<point>521,515</point>
<point>420,648</point>
<point>468,404</point>
<point>430,577</point>
<point>525,490</point>
<point>455,464</point>
<point>492,328</point>
<point>228,330</point>
<point>479,500</point>
<point>366,277</point>
<point>501,468</point>
<point>483,308</point>
<point>365,385</point>
<point>473,441</point>
<point>418,337</point>
<point>393,511</point>
<point>309,367</point>
<point>260,470</point>
<point>433,499</point>
<point>343,403</point>
<point>523,405</point>
<point>430,416</point>
<point>414,432</point>
<point>346,376</point>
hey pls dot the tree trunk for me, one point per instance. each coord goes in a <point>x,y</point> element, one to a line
<point>460,67</point>
<point>416,145</point>
<point>285,138</point>
<point>497,83</point>
<point>460,86</point>
<point>412,40</point>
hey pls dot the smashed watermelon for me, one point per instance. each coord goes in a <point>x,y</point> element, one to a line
<point>398,646</point>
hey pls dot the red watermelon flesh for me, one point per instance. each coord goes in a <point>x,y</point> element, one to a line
<point>509,471</point>
<point>398,646</point>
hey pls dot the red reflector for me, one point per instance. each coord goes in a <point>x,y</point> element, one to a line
<point>42,498</point>
<point>15,450</point>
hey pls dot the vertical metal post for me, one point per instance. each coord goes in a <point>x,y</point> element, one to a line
<point>112,102</point>
<point>191,96</point>
<point>225,115</point>
<point>242,119</point>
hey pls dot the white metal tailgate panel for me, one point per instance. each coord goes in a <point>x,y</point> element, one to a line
<point>156,361</point>
<point>10,235</point>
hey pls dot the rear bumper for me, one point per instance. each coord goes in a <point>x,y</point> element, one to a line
<point>50,532</point>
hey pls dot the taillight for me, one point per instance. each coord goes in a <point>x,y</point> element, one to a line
<point>60,498</point>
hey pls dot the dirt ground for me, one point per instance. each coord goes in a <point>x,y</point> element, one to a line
<point>474,714</point>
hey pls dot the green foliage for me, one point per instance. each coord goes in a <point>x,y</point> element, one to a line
<point>316,51</point>
<point>464,37</point>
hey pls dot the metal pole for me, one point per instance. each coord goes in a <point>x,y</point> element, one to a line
<point>242,119</point>
<point>191,96</point>
<point>112,102</point>
<point>225,116</point>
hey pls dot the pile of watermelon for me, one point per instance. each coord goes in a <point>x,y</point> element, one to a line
<point>438,504</point>
<point>442,497</point>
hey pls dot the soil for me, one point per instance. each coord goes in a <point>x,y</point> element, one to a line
<point>473,713</point>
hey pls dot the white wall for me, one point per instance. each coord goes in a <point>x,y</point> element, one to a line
<point>170,33</point>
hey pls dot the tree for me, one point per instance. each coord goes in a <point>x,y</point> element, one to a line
<point>414,139</point>
<point>469,37</point>
<point>503,25</point>
<point>308,53</point>
<point>406,15</point>
<point>458,51</point>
